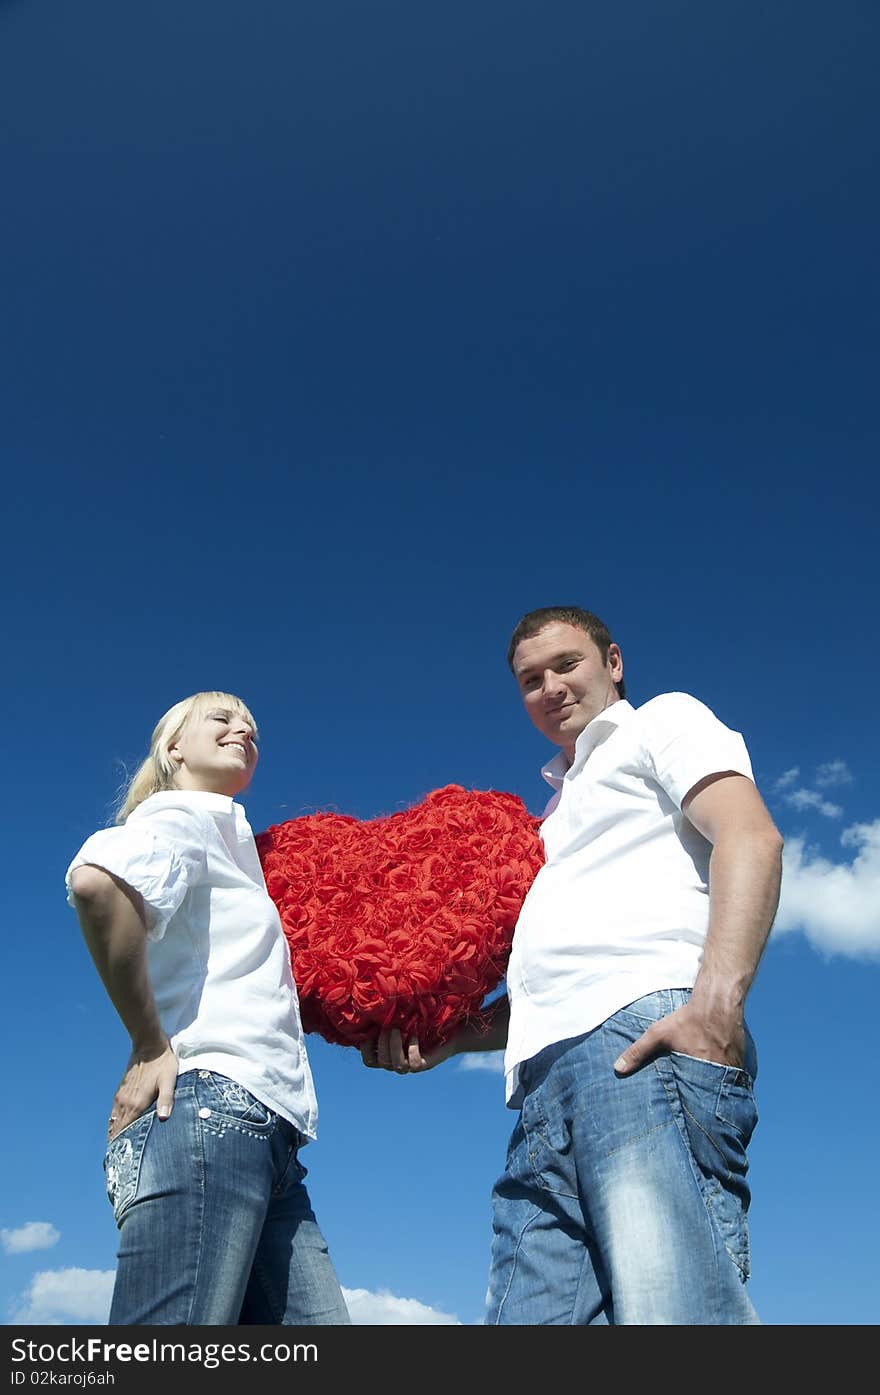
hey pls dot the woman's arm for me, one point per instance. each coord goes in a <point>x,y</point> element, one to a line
<point>112,919</point>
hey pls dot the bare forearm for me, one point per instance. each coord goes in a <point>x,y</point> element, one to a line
<point>390,1052</point>
<point>744,878</point>
<point>114,930</point>
<point>471,1038</point>
<point>745,874</point>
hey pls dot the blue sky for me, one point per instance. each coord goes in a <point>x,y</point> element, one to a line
<point>334,339</point>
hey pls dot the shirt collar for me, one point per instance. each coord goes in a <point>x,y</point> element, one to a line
<point>593,734</point>
<point>199,799</point>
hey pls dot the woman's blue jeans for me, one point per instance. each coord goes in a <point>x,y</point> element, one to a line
<point>624,1199</point>
<point>215,1222</point>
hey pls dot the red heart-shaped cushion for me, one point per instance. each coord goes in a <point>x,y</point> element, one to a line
<point>404,921</point>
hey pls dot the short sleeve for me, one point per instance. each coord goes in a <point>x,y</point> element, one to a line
<point>161,856</point>
<point>685,742</point>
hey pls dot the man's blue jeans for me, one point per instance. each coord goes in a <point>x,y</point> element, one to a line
<point>624,1199</point>
<point>215,1223</point>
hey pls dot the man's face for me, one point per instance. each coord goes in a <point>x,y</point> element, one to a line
<point>563,681</point>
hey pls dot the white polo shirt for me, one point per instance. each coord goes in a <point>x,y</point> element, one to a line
<point>217,958</point>
<point>621,906</point>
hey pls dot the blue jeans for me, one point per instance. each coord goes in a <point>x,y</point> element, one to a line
<point>624,1199</point>
<point>215,1223</point>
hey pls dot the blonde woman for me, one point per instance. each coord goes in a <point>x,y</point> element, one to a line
<point>217,1099</point>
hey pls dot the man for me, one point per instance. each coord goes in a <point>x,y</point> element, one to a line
<point>624,1195</point>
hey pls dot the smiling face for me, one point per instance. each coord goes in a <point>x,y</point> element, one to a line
<point>215,750</point>
<point>564,682</point>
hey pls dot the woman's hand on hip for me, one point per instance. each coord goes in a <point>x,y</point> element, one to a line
<point>149,1078</point>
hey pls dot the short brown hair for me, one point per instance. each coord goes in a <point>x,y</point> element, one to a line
<point>537,620</point>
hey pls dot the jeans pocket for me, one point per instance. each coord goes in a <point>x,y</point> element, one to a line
<point>223,1103</point>
<point>722,1098</point>
<point>719,1117</point>
<point>122,1163</point>
<point>548,1143</point>
<point>643,1012</point>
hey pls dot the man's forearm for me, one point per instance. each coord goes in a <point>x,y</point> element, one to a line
<point>745,872</point>
<point>472,1038</point>
<point>115,931</point>
<point>745,869</point>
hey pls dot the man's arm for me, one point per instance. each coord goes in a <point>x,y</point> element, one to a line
<point>113,922</point>
<point>745,871</point>
<point>389,1053</point>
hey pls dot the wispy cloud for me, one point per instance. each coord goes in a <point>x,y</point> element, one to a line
<point>835,904</point>
<point>833,772</point>
<point>380,1309</point>
<point>58,1296</point>
<point>789,778</point>
<point>33,1235</point>
<point>811,799</point>
<point>482,1060</point>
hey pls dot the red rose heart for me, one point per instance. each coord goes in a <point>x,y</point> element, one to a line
<point>404,921</point>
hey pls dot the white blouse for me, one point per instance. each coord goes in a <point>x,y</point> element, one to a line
<point>217,958</point>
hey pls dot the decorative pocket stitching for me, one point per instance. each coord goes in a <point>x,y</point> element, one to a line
<point>122,1163</point>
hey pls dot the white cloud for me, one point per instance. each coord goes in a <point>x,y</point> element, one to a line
<point>787,780</point>
<point>835,904</point>
<point>69,1296</point>
<point>59,1296</point>
<point>833,772</point>
<point>809,799</point>
<point>56,1297</point>
<point>482,1060</point>
<point>384,1309</point>
<point>33,1235</point>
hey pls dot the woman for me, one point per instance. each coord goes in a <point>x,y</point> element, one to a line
<point>217,1097</point>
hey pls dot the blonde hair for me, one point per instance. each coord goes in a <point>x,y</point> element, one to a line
<point>157,772</point>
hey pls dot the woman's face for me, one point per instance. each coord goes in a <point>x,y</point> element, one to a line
<point>215,751</point>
